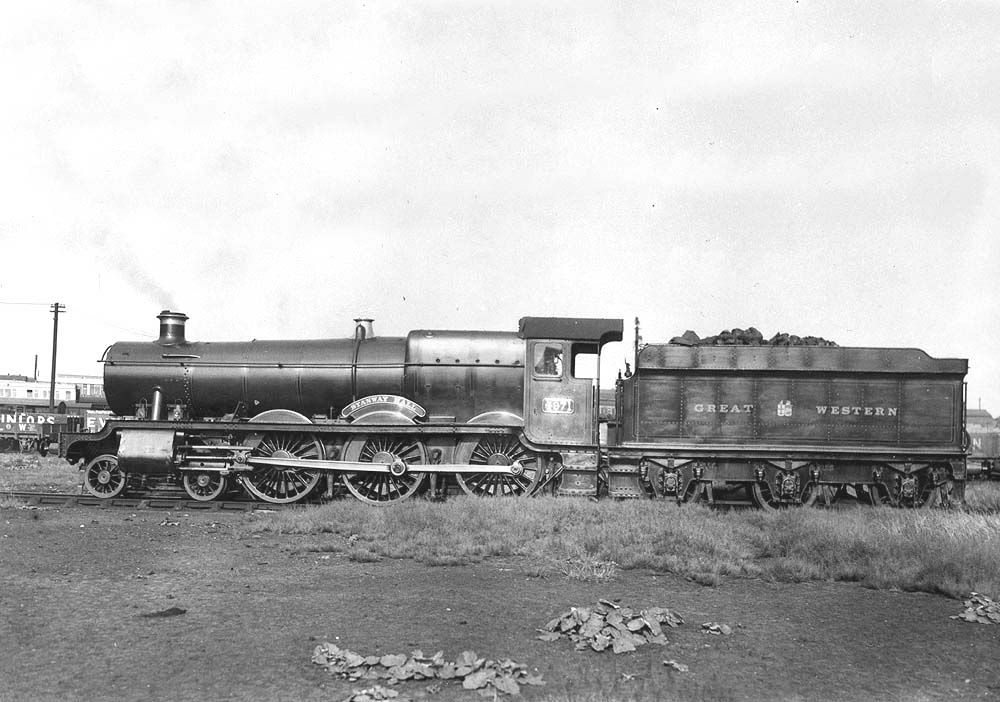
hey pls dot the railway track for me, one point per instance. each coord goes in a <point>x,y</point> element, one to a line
<point>165,502</point>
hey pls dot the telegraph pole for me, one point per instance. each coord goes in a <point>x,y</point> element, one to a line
<point>55,310</point>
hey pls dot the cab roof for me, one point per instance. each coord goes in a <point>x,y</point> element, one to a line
<point>595,330</point>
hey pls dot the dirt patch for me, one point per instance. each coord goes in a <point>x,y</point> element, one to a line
<point>77,586</point>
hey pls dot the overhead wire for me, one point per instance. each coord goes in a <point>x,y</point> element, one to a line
<point>84,315</point>
<point>104,322</point>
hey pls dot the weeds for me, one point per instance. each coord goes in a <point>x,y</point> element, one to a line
<point>983,496</point>
<point>942,551</point>
<point>589,569</point>
<point>30,471</point>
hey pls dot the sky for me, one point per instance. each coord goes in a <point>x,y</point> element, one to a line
<point>274,170</point>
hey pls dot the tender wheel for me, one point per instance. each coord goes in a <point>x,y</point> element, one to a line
<point>839,495</point>
<point>824,495</point>
<point>103,478</point>
<point>913,490</point>
<point>779,489</point>
<point>763,496</point>
<point>283,485</point>
<point>383,488</point>
<point>498,451</point>
<point>204,486</point>
<point>874,495</point>
<point>665,483</point>
<point>695,492</point>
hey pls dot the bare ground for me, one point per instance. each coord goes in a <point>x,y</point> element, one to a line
<point>75,584</point>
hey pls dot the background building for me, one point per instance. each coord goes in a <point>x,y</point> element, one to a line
<point>25,419</point>
<point>23,389</point>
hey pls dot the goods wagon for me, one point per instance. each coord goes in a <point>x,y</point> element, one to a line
<point>984,453</point>
<point>29,427</point>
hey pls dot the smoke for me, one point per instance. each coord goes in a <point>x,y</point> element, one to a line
<point>118,251</point>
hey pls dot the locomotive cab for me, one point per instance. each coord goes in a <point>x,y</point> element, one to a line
<point>562,377</point>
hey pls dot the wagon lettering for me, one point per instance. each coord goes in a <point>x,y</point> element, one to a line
<point>20,426</point>
<point>722,408</point>
<point>23,418</point>
<point>857,411</point>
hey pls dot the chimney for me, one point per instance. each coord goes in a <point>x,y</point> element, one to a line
<point>171,328</point>
<point>363,328</point>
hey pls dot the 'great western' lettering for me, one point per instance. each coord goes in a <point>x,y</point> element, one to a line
<point>728,409</point>
<point>858,411</point>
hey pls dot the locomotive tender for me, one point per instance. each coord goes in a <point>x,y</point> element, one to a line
<point>511,414</point>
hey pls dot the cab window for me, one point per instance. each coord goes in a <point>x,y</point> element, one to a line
<point>585,361</point>
<point>548,360</point>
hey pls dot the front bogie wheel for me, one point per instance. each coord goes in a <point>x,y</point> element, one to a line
<point>102,477</point>
<point>204,486</point>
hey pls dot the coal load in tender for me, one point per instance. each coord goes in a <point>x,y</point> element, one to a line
<point>748,337</point>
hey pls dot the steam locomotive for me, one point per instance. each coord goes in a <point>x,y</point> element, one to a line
<point>498,414</point>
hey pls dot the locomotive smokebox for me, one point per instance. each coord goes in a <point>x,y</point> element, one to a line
<point>171,328</point>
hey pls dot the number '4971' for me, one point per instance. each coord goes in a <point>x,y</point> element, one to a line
<point>557,405</point>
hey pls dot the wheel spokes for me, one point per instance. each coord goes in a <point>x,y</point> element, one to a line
<point>103,477</point>
<point>384,488</point>
<point>500,451</point>
<point>279,484</point>
<point>204,486</point>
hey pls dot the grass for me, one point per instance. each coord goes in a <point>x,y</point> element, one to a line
<point>589,569</point>
<point>32,472</point>
<point>949,552</point>
<point>983,496</point>
<point>630,679</point>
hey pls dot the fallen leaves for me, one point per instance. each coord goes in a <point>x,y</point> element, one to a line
<point>980,609</point>
<point>171,612</point>
<point>390,660</point>
<point>679,667</point>
<point>373,694</point>
<point>608,625</point>
<point>486,676</point>
<point>716,629</point>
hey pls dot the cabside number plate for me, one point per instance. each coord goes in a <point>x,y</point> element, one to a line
<point>557,405</point>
